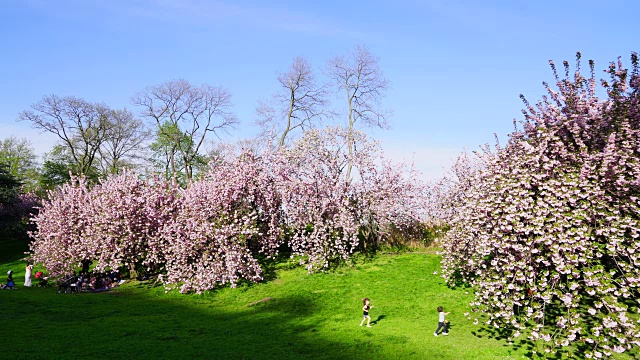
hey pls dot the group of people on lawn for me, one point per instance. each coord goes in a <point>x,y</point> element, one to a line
<point>10,285</point>
<point>98,281</point>
<point>84,280</point>
<point>28,281</point>
<point>442,323</point>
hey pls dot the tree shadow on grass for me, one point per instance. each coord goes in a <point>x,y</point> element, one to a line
<point>146,284</point>
<point>269,266</point>
<point>503,334</point>
<point>135,326</point>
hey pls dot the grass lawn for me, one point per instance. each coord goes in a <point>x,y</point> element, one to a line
<point>309,316</point>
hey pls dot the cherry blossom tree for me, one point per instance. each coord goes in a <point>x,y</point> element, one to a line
<point>245,207</point>
<point>546,229</point>
<point>222,222</point>
<point>127,214</point>
<point>63,235</point>
<point>445,194</point>
<point>113,224</point>
<point>324,211</point>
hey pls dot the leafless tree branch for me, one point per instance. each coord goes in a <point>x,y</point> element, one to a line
<point>80,125</point>
<point>123,143</point>
<point>193,110</point>
<point>299,103</point>
<point>359,77</point>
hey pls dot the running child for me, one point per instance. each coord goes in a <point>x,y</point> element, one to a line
<point>365,311</point>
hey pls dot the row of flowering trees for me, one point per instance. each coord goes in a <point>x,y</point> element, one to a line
<point>547,228</point>
<point>247,204</point>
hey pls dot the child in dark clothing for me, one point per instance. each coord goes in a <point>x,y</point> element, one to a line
<point>442,323</point>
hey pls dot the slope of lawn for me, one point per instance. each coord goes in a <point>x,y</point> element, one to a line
<point>301,316</point>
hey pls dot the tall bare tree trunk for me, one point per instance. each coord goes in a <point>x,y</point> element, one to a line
<point>174,177</point>
<point>289,113</point>
<point>350,134</point>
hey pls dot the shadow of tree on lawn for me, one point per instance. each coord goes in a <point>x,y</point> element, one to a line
<point>132,326</point>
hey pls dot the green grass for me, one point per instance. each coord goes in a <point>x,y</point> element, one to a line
<point>309,316</point>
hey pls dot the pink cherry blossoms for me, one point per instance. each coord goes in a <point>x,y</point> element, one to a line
<point>222,220</point>
<point>546,229</point>
<point>114,223</point>
<point>324,211</point>
<point>247,204</point>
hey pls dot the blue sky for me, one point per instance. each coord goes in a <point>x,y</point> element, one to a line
<point>456,67</point>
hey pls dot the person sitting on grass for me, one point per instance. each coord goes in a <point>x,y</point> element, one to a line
<point>10,284</point>
<point>365,311</point>
<point>442,323</point>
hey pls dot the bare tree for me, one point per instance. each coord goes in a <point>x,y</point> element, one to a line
<point>80,125</point>
<point>186,110</point>
<point>298,104</point>
<point>359,76</point>
<point>122,144</point>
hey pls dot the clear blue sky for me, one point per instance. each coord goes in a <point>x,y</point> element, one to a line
<point>456,67</point>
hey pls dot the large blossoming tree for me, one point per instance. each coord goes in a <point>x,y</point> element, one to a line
<point>222,223</point>
<point>113,224</point>
<point>547,228</point>
<point>245,207</point>
<point>329,217</point>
